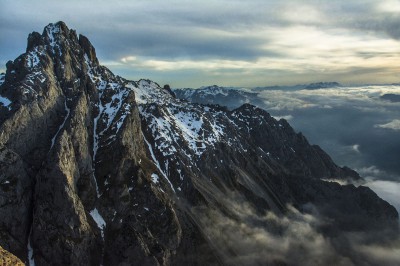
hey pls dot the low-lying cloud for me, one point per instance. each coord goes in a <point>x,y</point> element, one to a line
<point>251,240</point>
<point>394,124</point>
<point>286,117</point>
<point>241,236</point>
<point>356,148</point>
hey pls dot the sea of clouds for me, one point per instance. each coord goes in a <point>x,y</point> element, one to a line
<point>355,125</point>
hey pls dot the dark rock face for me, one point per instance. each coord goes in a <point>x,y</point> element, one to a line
<point>15,201</point>
<point>96,169</point>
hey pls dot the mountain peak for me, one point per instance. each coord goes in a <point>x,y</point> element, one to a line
<point>56,28</point>
<point>57,37</point>
<point>57,52</point>
<point>48,36</point>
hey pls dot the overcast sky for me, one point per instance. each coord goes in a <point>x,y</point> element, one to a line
<point>230,43</point>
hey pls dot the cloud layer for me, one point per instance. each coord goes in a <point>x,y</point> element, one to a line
<point>353,124</point>
<point>188,43</point>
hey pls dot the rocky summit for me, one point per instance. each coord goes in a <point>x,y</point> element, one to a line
<point>99,170</point>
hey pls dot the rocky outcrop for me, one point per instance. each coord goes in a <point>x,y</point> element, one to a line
<point>99,170</point>
<point>6,258</point>
<point>16,202</point>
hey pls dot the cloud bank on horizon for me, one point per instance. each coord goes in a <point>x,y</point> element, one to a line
<point>355,125</point>
<point>238,43</point>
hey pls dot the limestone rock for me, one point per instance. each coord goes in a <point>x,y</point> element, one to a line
<point>6,258</point>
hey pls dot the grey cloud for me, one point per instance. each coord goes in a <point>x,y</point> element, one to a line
<point>373,173</point>
<point>165,43</point>
<point>380,23</point>
<point>368,55</point>
<point>359,15</point>
<point>381,256</point>
<point>166,30</point>
<point>362,15</point>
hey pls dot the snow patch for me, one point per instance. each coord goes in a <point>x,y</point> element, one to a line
<point>31,260</point>
<point>97,187</point>
<point>33,59</point>
<point>31,78</point>
<point>179,122</point>
<point>5,102</point>
<point>52,32</point>
<point>99,220</point>
<point>180,174</point>
<point>155,178</point>
<point>157,163</point>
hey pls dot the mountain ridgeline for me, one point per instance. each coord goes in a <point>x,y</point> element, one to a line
<point>99,170</point>
<point>233,97</point>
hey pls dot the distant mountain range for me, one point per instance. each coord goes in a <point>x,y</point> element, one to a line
<point>391,97</point>
<point>233,97</point>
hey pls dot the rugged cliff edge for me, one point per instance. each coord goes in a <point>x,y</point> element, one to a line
<point>96,169</point>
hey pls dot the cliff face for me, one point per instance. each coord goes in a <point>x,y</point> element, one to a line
<point>96,169</point>
<point>71,145</point>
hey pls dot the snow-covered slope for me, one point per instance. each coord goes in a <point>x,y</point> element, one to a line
<point>179,124</point>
